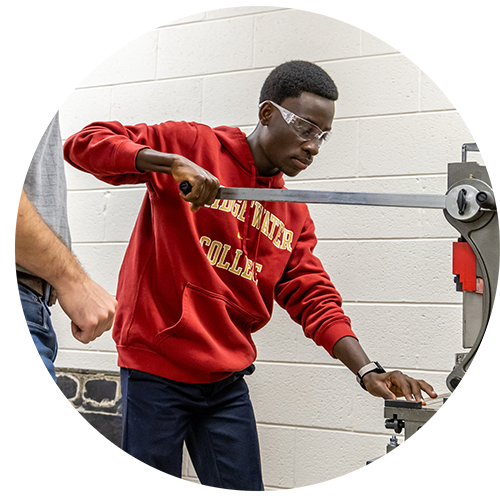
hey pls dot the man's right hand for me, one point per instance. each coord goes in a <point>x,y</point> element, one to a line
<point>90,308</point>
<point>204,184</point>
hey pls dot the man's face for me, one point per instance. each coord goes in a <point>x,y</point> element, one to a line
<point>284,149</point>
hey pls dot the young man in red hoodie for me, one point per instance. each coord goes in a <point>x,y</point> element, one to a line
<point>200,275</point>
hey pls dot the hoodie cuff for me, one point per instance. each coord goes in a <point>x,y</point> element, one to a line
<point>332,334</point>
<point>125,155</point>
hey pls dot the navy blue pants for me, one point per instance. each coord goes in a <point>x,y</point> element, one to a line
<point>215,420</point>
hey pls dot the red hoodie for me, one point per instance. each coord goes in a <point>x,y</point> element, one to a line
<point>193,287</point>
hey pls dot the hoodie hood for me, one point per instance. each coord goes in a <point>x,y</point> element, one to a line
<point>234,141</point>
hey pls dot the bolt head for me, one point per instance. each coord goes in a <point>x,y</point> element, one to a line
<point>456,383</point>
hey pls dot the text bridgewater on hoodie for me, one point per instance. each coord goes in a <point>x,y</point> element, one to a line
<point>221,255</point>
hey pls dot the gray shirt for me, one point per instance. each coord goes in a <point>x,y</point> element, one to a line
<point>38,155</point>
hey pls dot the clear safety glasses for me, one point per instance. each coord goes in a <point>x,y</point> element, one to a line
<point>306,130</point>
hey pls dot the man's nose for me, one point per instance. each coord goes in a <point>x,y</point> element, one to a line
<point>312,147</point>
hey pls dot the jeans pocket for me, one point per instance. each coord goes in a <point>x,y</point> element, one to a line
<point>35,311</point>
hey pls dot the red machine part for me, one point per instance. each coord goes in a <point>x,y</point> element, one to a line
<point>464,265</point>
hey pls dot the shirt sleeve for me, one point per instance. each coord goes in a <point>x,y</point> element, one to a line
<point>108,150</point>
<point>306,292</point>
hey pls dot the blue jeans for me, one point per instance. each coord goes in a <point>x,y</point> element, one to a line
<point>215,420</point>
<point>36,442</point>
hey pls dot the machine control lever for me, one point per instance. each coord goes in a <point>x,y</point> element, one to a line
<point>471,146</point>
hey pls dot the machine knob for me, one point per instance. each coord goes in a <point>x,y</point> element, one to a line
<point>395,424</point>
<point>486,200</point>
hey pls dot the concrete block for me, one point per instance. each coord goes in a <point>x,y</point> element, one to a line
<point>156,102</point>
<point>77,179</point>
<point>391,271</point>
<point>465,77</point>
<point>87,215</point>
<point>418,27</point>
<point>139,50</point>
<point>232,99</point>
<point>85,360</point>
<point>324,455</point>
<point>102,261</point>
<point>97,216</point>
<point>423,337</point>
<point>203,48</point>
<point>308,396</point>
<point>412,144</point>
<point>146,17</point>
<point>122,208</point>
<point>278,455</point>
<point>297,34</point>
<point>278,339</point>
<point>375,86</point>
<point>83,107</point>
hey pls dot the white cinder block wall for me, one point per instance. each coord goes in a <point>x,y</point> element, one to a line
<point>394,131</point>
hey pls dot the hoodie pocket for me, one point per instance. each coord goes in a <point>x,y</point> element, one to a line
<point>212,335</point>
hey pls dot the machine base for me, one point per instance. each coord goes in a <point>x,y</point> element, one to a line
<point>435,475</point>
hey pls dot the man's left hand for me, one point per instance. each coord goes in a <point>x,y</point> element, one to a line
<point>395,384</point>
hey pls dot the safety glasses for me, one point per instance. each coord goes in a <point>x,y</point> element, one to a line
<point>306,130</point>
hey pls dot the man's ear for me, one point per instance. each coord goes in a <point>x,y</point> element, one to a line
<point>265,112</point>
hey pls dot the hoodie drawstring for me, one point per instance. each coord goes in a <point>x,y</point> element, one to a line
<point>259,228</point>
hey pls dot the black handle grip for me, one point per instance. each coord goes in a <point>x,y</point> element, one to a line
<point>462,201</point>
<point>185,187</point>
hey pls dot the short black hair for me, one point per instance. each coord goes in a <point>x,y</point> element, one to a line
<point>292,78</point>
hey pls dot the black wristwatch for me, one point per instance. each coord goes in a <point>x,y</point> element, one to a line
<point>374,366</point>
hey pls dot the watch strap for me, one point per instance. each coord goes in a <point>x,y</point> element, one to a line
<point>373,366</point>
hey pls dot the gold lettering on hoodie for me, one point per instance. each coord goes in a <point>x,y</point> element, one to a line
<point>262,220</point>
<point>234,267</point>
<point>222,261</point>
<point>217,254</point>
<point>226,205</point>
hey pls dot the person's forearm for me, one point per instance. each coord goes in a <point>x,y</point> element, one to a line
<point>349,351</point>
<point>90,307</point>
<point>40,251</point>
